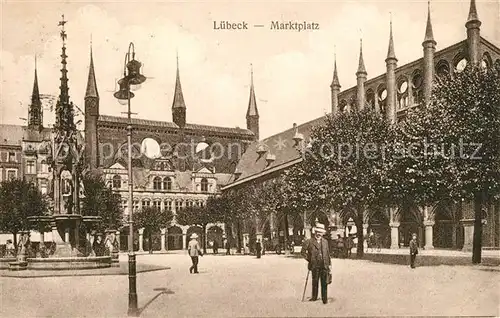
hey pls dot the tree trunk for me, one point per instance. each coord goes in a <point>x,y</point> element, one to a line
<point>15,241</point>
<point>150,242</point>
<point>204,238</point>
<point>478,229</point>
<point>285,223</point>
<point>238,234</point>
<point>360,250</point>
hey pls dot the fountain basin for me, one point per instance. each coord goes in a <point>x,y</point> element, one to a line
<point>62,263</point>
<point>4,262</point>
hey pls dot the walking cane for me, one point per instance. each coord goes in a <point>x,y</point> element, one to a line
<point>305,285</point>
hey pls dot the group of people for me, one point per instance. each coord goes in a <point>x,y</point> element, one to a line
<point>316,251</point>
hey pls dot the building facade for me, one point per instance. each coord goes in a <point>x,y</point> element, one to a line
<point>400,89</point>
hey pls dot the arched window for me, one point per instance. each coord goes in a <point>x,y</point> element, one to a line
<point>43,166</point>
<point>157,183</point>
<point>370,99</point>
<point>443,68</point>
<point>382,99</point>
<point>343,105</point>
<point>416,82</point>
<point>402,93</point>
<point>204,185</point>
<point>167,183</point>
<point>117,182</point>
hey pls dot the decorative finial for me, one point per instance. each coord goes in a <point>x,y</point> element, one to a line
<point>251,74</point>
<point>63,33</point>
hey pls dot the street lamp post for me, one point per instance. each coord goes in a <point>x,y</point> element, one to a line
<point>132,78</point>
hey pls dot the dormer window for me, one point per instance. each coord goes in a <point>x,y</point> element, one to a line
<point>297,137</point>
<point>261,149</point>
<point>157,183</point>
<point>270,158</point>
<point>237,174</point>
<point>117,182</point>
<point>167,183</point>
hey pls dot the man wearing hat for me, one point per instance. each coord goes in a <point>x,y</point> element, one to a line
<point>194,250</point>
<point>317,253</point>
<point>413,249</point>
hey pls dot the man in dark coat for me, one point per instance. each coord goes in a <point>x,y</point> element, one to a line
<point>258,248</point>
<point>413,250</point>
<point>317,254</point>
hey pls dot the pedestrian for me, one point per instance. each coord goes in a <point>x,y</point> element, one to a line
<point>194,251</point>
<point>316,251</point>
<point>10,249</point>
<point>258,248</point>
<point>215,247</point>
<point>228,247</point>
<point>413,250</point>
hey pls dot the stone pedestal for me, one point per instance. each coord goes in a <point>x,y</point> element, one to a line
<point>141,238</point>
<point>394,235</point>
<point>428,235</point>
<point>163,234</point>
<point>468,225</point>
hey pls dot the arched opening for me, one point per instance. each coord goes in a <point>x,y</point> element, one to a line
<point>444,231</point>
<point>443,68</point>
<point>117,181</point>
<point>204,185</point>
<point>411,222</point>
<point>167,184</point>
<point>460,62</point>
<point>382,98</point>
<point>486,62</point>
<point>379,224</point>
<point>343,105</point>
<point>157,183</point>
<point>150,148</point>
<point>174,238</point>
<point>214,238</point>
<point>416,81</point>
<point>370,99</point>
<point>402,93</point>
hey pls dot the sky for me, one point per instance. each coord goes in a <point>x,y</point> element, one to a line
<point>292,70</point>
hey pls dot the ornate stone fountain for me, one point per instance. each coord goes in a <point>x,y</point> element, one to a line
<point>65,189</point>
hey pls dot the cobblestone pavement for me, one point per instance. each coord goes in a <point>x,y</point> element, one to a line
<point>243,286</point>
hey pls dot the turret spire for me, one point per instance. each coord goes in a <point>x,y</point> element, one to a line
<point>361,66</point>
<point>35,108</point>
<point>390,52</point>
<point>178,96</point>
<point>252,111</point>
<point>64,109</point>
<point>473,12</point>
<point>91,82</point>
<point>335,81</point>
<point>429,36</point>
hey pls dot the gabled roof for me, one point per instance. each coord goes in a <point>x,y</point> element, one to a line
<point>282,146</point>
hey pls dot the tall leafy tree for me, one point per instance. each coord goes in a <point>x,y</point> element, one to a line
<point>465,114</point>
<point>345,168</point>
<point>100,200</point>
<point>19,200</point>
<point>152,220</point>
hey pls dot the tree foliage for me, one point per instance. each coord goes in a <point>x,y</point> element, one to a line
<point>346,168</point>
<point>19,200</point>
<point>152,219</point>
<point>101,201</point>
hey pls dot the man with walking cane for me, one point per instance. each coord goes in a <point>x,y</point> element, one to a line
<point>317,254</point>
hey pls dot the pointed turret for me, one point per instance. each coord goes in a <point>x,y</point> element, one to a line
<point>91,102</point>
<point>35,120</point>
<point>390,79</point>
<point>361,65</point>
<point>390,51</point>
<point>473,34</point>
<point>361,78</point>
<point>178,105</point>
<point>429,46</point>
<point>91,82</point>
<point>252,111</point>
<point>335,87</point>
<point>429,35</point>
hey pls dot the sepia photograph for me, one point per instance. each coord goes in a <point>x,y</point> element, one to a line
<point>249,158</point>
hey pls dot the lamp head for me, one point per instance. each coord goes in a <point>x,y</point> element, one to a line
<point>134,73</point>
<point>123,94</point>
